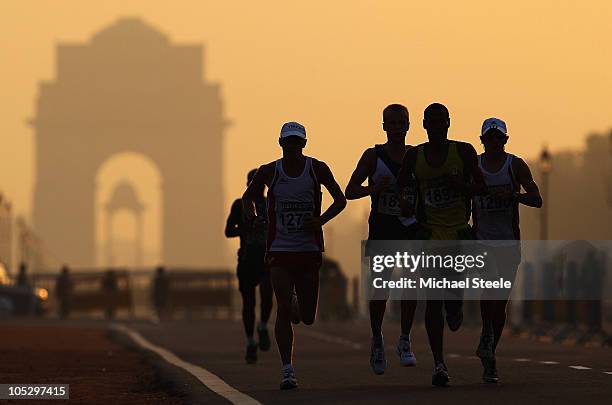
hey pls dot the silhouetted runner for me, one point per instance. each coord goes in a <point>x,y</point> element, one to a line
<point>496,222</point>
<point>295,235</point>
<point>251,271</point>
<point>380,166</point>
<point>447,176</point>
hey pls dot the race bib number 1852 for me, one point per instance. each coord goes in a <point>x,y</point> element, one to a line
<point>388,203</point>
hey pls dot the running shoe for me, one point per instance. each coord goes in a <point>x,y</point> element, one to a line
<point>288,380</point>
<point>485,347</point>
<point>440,376</point>
<point>378,360</point>
<point>489,374</point>
<point>251,353</point>
<point>264,339</point>
<point>404,352</point>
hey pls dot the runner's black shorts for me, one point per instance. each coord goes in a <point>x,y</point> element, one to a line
<point>251,271</point>
<point>390,230</point>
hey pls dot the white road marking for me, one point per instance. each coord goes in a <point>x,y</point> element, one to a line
<point>608,372</point>
<point>207,378</point>
<point>549,362</point>
<point>521,360</point>
<point>580,367</point>
<point>332,339</point>
<point>454,355</point>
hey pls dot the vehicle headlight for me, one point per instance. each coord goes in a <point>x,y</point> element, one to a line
<point>41,293</point>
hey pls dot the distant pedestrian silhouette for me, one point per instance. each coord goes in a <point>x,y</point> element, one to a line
<point>161,289</point>
<point>110,287</point>
<point>64,287</point>
<point>22,277</point>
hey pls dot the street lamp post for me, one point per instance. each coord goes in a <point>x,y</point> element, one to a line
<point>609,177</point>
<point>609,180</point>
<point>545,169</point>
<point>546,306</point>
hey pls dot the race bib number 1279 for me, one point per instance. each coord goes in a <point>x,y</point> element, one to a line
<point>292,215</point>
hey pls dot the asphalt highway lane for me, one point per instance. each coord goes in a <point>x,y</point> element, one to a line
<point>331,361</point>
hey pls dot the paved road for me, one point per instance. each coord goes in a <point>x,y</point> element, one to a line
<point>331,363</point>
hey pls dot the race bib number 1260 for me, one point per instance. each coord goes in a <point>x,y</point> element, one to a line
<point>492,203</point>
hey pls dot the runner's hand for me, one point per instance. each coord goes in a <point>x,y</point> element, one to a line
<point>407,201</point>
<point>312,224</point>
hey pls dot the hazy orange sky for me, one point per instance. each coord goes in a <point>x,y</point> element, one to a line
<point>544,66</point>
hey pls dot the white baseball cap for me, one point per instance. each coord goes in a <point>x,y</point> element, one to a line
<point>293,129</point>
<point>494,123</point>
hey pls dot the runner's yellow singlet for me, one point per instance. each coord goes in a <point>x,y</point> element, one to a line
<point>439,207</point>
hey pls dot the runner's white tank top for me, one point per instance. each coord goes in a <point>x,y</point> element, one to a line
<point>497,220</point>
<point>388,200</point>
<point>290,201</point>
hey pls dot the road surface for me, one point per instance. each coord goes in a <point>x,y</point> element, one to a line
<point>331,364</point>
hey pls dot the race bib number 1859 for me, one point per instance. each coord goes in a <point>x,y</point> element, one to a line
<point>439,195</point>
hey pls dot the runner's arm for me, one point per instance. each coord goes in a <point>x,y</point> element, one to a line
<point>326,178</point>
<point>262,177</point>
<point>232,226</point>
<point>531,197</point>
<point>354,188</point>
<point>472,171</point>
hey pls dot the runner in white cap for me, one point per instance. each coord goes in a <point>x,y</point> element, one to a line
<point>295,236</point>
<point>496,222</point>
